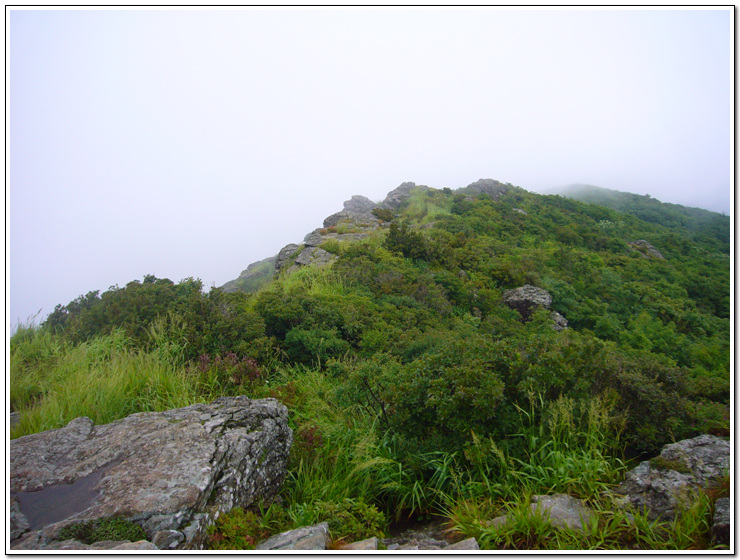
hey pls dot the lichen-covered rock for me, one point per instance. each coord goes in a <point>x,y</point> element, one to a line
<point>397,196</point>
<point>526,299</point>
<point>561,510</point>
<point>166,471</point>
<point>491,187</point>
<point>366,544</point>
<point>559,322</point>
<point>467,544</point>
<point>312,256</point>
<point>646,249</point>
<point>314,537</point>
<point>662,487</point>
<point>283,257</point>
<point>721,522</point>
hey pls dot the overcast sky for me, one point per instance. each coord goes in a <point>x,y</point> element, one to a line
<point>192,143</point>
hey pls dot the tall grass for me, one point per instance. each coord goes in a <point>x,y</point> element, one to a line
<point>104,379</point>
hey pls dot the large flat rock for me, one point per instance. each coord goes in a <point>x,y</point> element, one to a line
<point>167,471</point>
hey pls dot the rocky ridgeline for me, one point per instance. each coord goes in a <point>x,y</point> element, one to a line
<point>354,222</point>
<point>170,472</point>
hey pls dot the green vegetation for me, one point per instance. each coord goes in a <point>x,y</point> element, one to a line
<point>106,529</point>
<point>413,390</point>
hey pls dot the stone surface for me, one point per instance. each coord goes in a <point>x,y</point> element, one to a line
<point>467,544</point>
<point>721,522</point>
<point>491,187</point>
<point>559,322</point>
<point>264,269</point>
<point>397,196</point>
<point>526,299</point>
<point>367,544</point>
<point>167,471</point>
<point>283,257</point>
<point>314,537</point>
<point>646,249</point>
<point>167,539</point>
<point>661,492</point>
<point>563,511</point>
<point>313,256</point>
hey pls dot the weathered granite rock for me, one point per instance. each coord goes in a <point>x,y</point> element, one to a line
<point>721,522</point>
<point>253,274</point>
<point>284,255</point>
<point>491,187</point>
<point>467,544</point>
<point>397,196</point>
<point>559,322</point>
<point>167,539</point>
<point>367,544</point>
<point>526,299</point>
<point>314,537</point>
<point>316,237</point>
<point>166,471</point>
<point>312,255</point>
<point>562,510</point>
<point>520,211</point>
<point>661,492</point>
<point>357,212</point>
<point>359,205</point>
<point>646,249</point>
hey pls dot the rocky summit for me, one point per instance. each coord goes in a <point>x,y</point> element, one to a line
<point>170,472</point>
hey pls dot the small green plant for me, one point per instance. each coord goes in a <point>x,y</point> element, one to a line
<point>242,529</point>
<point>106,529</point>
<point>349,519</point>
<point>383,214</point>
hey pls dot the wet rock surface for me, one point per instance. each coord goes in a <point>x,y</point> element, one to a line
<point>166,471</point>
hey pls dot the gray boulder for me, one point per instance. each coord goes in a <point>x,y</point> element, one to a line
<point>664,485</point>
<point>561,510</point>
<point>256,274</point>
<point>314,537</point>
<point>559,322</point>
<point>526,299</point>
<point>313,256</point>
<point>721,522</point>
<point>283,257</point>
<point>167,471</point>
<point>397,196</point>
<point>491,187</point>
<point>646,249</point>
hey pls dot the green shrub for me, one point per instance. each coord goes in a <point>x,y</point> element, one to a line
<point>349,519</point>
<point>106,529</point>
<point>242,529</point>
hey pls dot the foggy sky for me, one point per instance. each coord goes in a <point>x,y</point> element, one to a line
<point>193,142</point>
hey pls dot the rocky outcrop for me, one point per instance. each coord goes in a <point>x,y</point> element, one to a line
<point>491,187</point>
<point>255,275</point>
<point>663,485</point>
<point>397,196</point>
<point>171,471</point>
<point>527,299</point>
<point>357,212</point>
<point>646,249</point>
<point>312,255</point>
<point>284,256</point>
